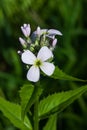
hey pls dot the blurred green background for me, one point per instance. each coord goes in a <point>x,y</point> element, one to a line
<point>68,16</point>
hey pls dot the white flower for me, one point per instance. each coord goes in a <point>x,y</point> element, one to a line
<point>39,62</point>
<point>26,29</point>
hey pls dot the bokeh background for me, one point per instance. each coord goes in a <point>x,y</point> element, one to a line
<point>68,16</point>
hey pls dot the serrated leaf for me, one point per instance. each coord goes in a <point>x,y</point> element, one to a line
<point>59,101</point>
<point>51,123</point>
<point>25,94</point>
<point>59,74</point>
<point>13,113</point>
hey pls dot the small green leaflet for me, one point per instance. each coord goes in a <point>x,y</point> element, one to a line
<point>13,113</point>
<point>59,74</point>
<point>59,101</point>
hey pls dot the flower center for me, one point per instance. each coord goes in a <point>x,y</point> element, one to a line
<point>38,62</point>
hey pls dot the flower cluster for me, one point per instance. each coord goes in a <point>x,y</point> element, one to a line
<point>37,50</point>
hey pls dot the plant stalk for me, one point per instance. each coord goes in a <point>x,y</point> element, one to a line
<point>36,119</point>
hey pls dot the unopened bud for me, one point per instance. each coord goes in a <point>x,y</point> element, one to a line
<point>19,52</point>
<point>38,31</point>
<point>23,42</point>
<point>26,29</point>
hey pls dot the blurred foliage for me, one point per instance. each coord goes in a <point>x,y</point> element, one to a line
<point>68,16</point>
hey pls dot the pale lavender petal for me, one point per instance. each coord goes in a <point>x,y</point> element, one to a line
<point>47,68</point>
<point>54,32</point>
<point>28,29</point>
<point>33,74</point>
<point>54,42</point>
<point>28,57</point>
<point>50,36</point>
<point>44,53</point>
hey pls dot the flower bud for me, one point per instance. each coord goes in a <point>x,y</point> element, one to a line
<point>23,42</point>
<point>26,29</point>
<point>38,31</point>
<point>19,52</point>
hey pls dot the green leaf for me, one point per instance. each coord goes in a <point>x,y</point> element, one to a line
<point>13,113</point>
<point>51,123</point>
<point>59,101</point>
<point>59,74</point>
<point>25,94</point>
<point>28,95</point>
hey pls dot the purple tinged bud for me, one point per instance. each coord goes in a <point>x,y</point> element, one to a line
<point>26,29</point>
<point>54,32</point>
<point>54,42</point>
<point>19,52</point>
<point>38,31</point>
<point>23,42</point>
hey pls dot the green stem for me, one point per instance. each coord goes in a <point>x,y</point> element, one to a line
<point>36,119</point>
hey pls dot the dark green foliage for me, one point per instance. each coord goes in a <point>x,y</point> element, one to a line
<point>69,16</point>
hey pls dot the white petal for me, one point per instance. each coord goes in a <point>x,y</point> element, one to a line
<point>33,74</point>
<point>44,53</point>
<point>28,57</point>
<point>54,32</point>
<point>48,68</point>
